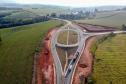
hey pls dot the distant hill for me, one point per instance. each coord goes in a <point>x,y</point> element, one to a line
<point>112,18</point>
<point>15,5</point>
<point>109,8</point>
<point>11,5</point>
<point>100,8</point>
<point>38,8</point>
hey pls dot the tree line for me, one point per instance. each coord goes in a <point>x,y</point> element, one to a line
<point>74,16</point>
<point>124,27</point>
<point>5,23</point>
<point>7,8</point>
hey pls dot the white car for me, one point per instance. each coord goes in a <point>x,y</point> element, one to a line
<point>70,67</point>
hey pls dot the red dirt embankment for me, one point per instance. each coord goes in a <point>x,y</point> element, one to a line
<point>85,65</point>
<point>45,62</point>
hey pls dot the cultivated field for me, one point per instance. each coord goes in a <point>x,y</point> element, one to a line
<point>105,14</point>
<point>110,62</point>
<point>114,19</point>
<point>48,10</point>
<point>110,56</point>
<point>17,50</point>
<point>21,15</point>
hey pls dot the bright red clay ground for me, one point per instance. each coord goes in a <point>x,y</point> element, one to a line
<point>84,67</point>
<point>45,63</point>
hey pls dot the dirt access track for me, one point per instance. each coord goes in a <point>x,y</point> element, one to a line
<point>45,62</point>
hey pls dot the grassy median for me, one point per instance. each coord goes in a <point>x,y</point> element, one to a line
<point>72,37</point>
<point>62,38</point>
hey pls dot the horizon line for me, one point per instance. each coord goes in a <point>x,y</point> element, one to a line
<point>58,5</point>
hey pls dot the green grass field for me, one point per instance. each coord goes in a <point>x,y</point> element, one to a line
<point>114,19</point>
<point>17,50</point>
<point>72,39</point>
<point>49,10</point>
<point>108,14</point>
<point>22,14</point>
<point>110,63</point>
<point>62,38</point>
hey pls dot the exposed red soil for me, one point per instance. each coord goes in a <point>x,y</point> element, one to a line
<point>85,64</point>
<point>45,62</point>
<point>96,28</point>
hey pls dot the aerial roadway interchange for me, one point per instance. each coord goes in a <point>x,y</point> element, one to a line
<point>65,76</point>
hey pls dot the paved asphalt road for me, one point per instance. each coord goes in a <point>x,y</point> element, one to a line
<point>58,67</point>
<point>66,78</point>
<point>71,68</point>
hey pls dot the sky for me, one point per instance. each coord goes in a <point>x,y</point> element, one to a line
<point>73,3</point>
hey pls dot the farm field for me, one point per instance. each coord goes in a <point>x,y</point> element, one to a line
<point>113,19</point>
<point>21,15</point>
<point>110,56</point>
<point>106,14</point>
<point>28,14</point>
<point>48,10</point>
<point>17,17</point>
<point>17,50</point>
<point>110,61</point>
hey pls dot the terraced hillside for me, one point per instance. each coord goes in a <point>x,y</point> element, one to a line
<point>17,50</point>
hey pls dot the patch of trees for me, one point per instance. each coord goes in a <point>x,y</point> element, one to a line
<point>123,8</point>
<point>67,16</point>
<point>52,15</point>
<point>124,27</point>
<point>75,15</point>
<point>6,8</point>
<point>5,23</point>
<point>4,14</point>
<point>0,38</point>
<point>79,15</point>
<point>91,80</point>
<point>70,16</point>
